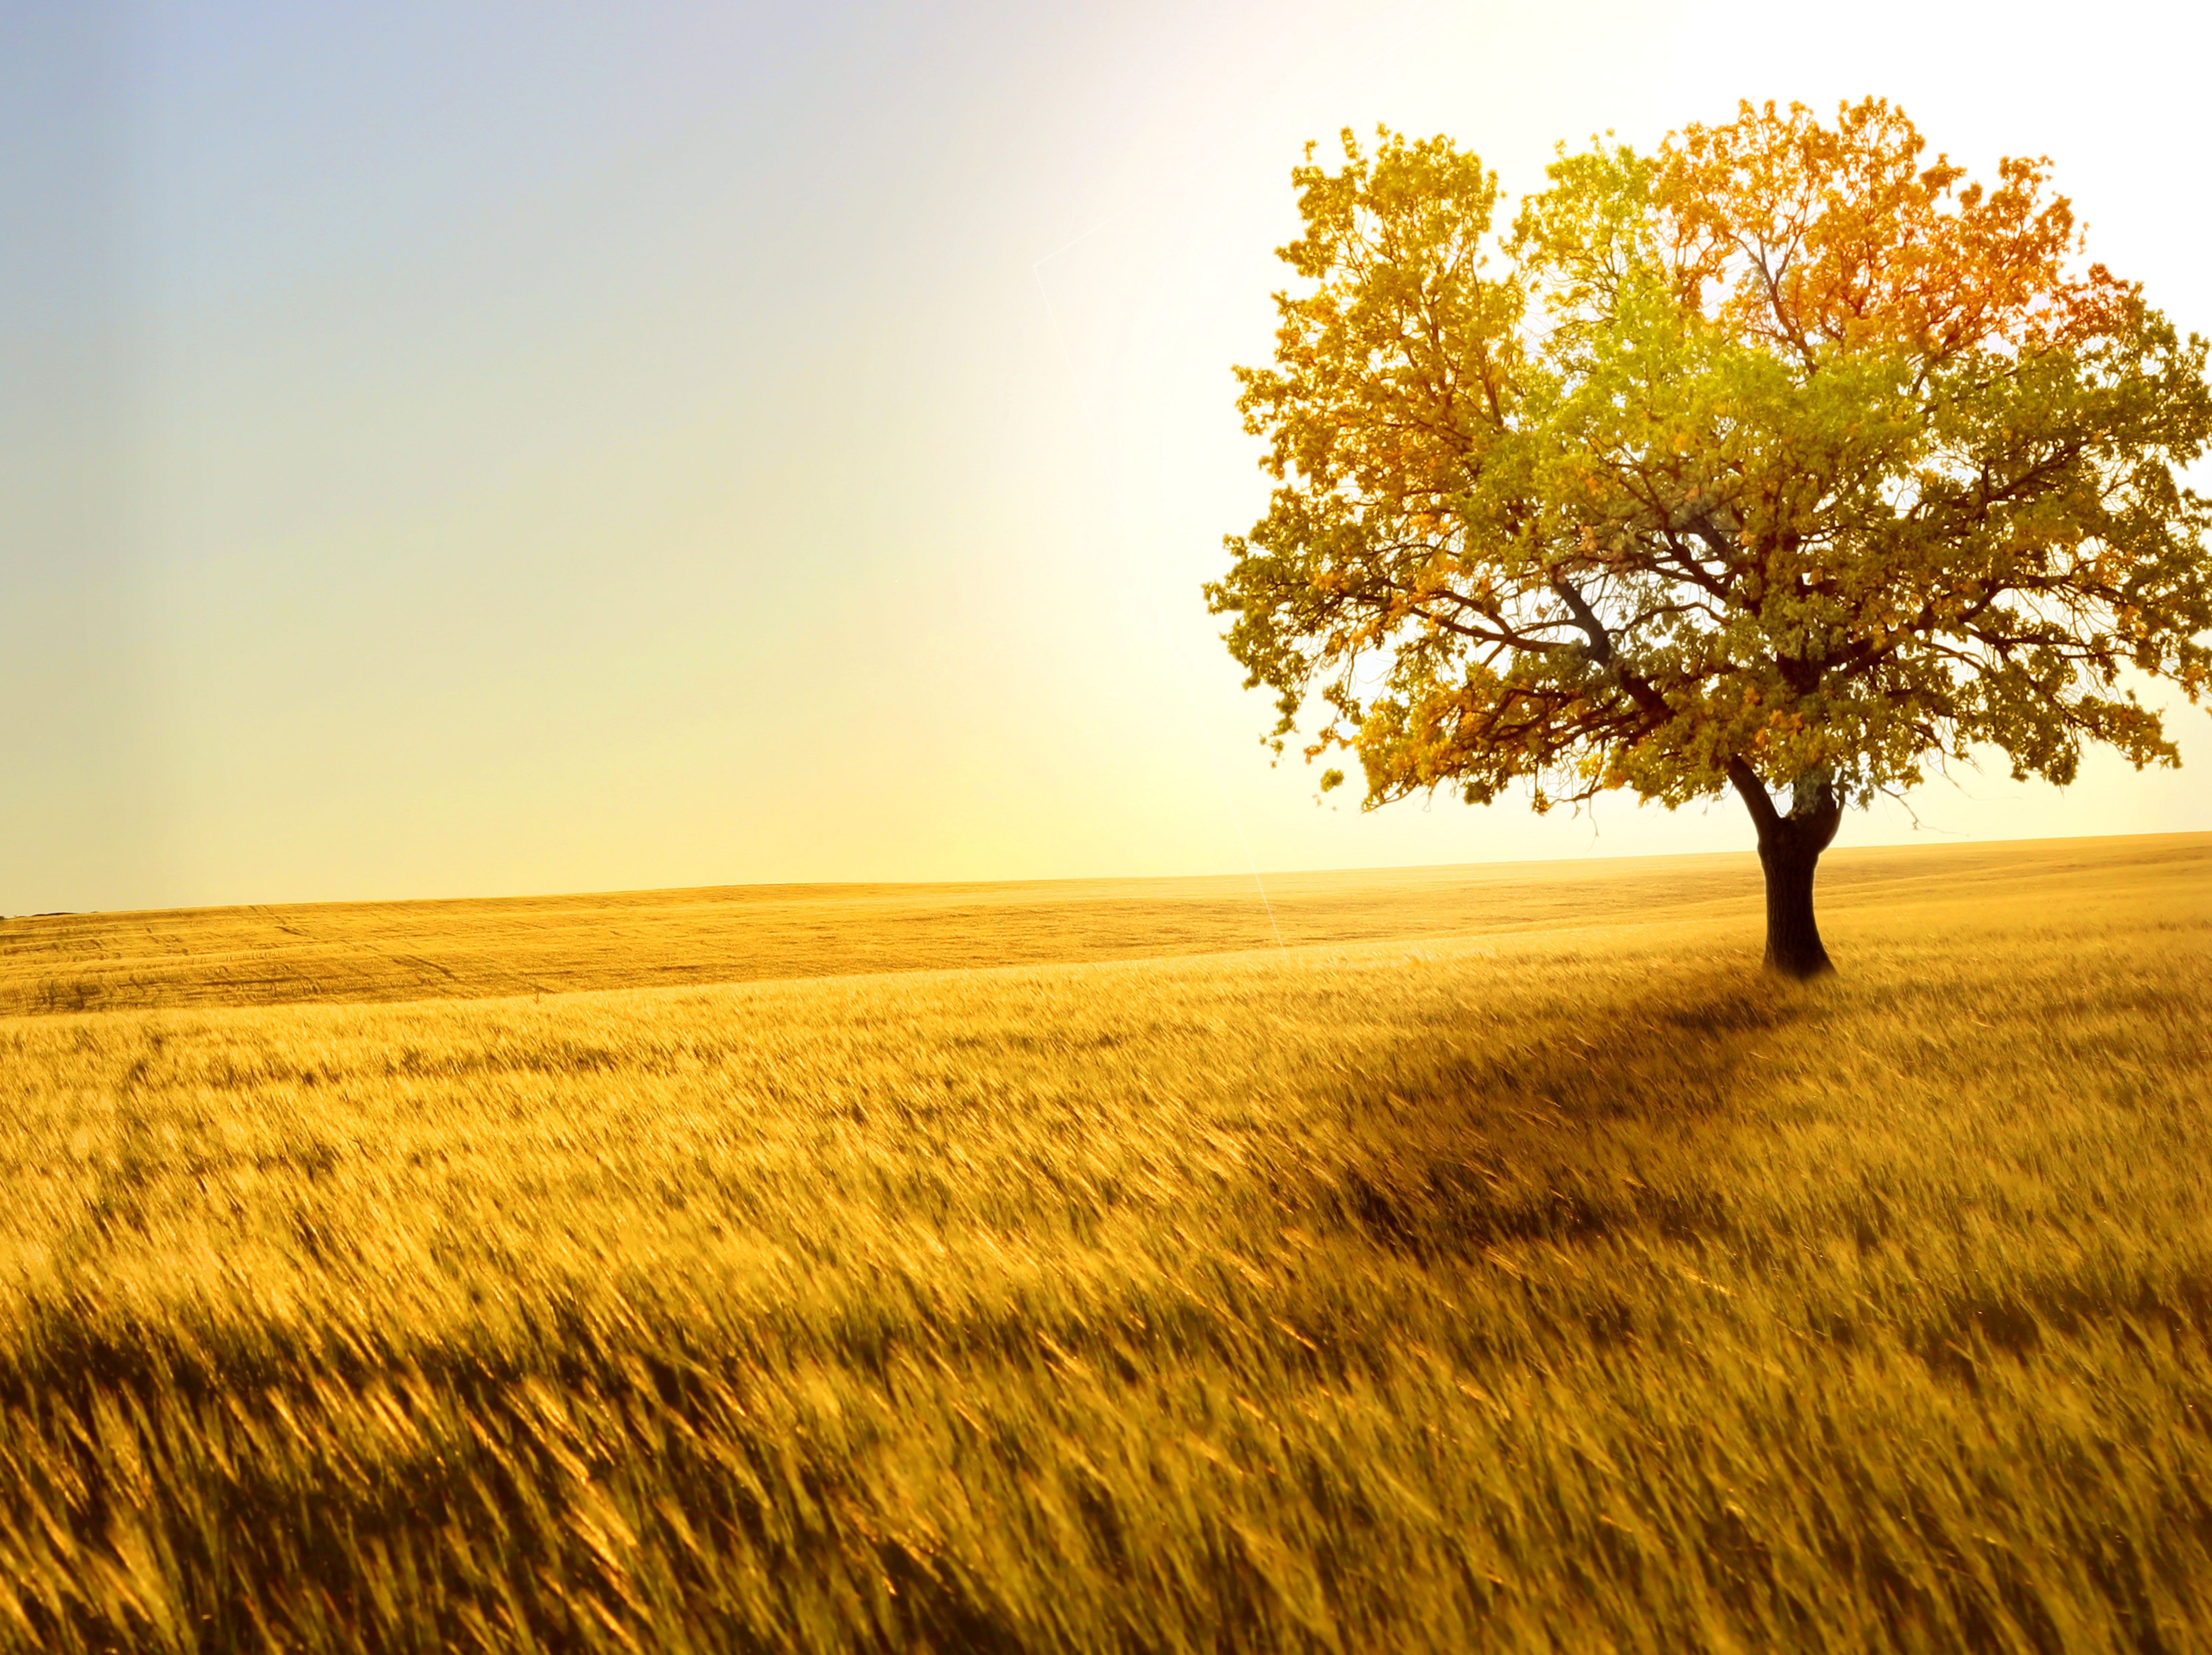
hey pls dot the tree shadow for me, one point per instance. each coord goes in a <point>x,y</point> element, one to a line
<point>1479,1135</point>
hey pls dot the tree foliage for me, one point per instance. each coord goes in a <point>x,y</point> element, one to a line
<point>1778,452</point>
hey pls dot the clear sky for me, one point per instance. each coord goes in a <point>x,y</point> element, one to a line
<point>463,448</point>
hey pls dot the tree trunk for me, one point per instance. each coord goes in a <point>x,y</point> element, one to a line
<point>1789,848</point>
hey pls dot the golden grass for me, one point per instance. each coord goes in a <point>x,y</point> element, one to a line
<point>1554,1289</point>
<point>368,951</point>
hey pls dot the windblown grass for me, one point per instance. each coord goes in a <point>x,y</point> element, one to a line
<point>1569,1290</point>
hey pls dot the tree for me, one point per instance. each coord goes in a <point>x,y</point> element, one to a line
<point>1776,458</point>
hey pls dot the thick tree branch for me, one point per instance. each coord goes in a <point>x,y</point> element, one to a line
<point>1763,816</point>
<point>1646,697</point>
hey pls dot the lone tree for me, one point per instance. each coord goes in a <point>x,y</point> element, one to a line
<point>1778,458</point>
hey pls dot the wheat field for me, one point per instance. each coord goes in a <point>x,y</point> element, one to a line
<point>1502,1263</point>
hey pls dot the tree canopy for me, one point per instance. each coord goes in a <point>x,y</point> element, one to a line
<point>1779,457</point>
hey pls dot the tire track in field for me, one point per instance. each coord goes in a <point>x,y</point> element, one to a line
<point>409,965</point>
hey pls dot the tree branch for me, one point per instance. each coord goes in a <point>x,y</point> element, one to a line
<point>1763,816</point>
<point>1648,701</point>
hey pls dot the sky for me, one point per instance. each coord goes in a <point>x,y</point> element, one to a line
<point>466,448</point>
